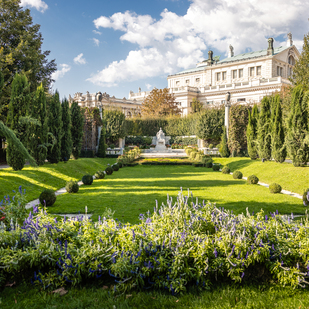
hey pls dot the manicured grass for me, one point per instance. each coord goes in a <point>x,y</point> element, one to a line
<point>295,179</point>
<point>223,296</point>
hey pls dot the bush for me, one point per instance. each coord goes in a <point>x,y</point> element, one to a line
<point>252,180</point>
<point>208,164</point>
<point>99,175</point>
<point>237,175</point>
<point>226,170</point>
<point>72,186</point>
<point>109,170</point>
<point>306,197</point>
<point>47,197</point>
<point>210,146</point>
<point>193,154</point>
<point>87,179</point>
<point>216,167</point>
<point>120,164</point>
<point>275,188</point>
<point>115,167</point>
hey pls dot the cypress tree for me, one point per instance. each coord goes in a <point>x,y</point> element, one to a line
<point>264,130</point>
<point>224,150</point>
<point>278,148</point>
<point>297,127</point>
<point>101,149</point>
<point>17,109</point>
<point>39,132</point>
<point>77,120</point>
<point>55,129</point>
<point>66,140</point>
<point>252,133</point>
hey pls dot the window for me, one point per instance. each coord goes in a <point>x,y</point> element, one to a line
<point>223,75</point>
<point>291,60</point>
<point>177,83</point>
<point>251,71</point>
<point>259,70</point>
<point>187,81</point>
<point>218,77</point>
<point>234,74</point>
<point>279,71</point>
<point>241,100</point>
<point>197,80</point>
<point>240,73</point>
<point>222,101</point>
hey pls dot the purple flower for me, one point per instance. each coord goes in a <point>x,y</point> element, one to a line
<point>215,253</point>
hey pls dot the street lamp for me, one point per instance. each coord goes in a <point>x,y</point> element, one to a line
<point>227,112</point>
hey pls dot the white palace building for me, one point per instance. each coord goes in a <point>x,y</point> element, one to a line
<point>248,77</point>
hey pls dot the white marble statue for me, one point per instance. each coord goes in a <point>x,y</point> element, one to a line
<point>160,137</point>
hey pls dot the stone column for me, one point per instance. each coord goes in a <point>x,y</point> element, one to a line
<point>227,112</point>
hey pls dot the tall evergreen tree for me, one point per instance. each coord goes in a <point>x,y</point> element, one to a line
<point>224,150</point>
<point>264,130</point>
<point>66,140</point>
<point>55,129</point>
<point>297,127</point>
<point>278,148</point>
<point>102,145</point>
<point>252,133</point>
<point>16,120</point>
<point>38,137</point>
<point>77,120</point>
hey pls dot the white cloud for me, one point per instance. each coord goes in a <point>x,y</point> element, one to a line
<point>97,32</point>
<point>175,42</point>
<point>96,41</point>
<point>60,73</point>
<point>38,4</point>
<point>79,59</point>
<point>148,86</point>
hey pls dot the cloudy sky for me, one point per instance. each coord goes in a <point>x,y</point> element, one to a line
<point>121,45</point>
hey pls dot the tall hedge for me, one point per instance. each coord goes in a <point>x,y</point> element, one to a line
<point>102,143</point>
<point>252,133</point>
<point>66,139</point>
<point>77,120</point>
<point>224,150</point>
<point>114,124</point>
<point>238,122</point>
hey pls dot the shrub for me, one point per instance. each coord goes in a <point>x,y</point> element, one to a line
<point>208,164</point>
<point>47,197</point>
<point>306,197</point>
<point>87,179</point>
<point>275,188</point>
<point>120,164</point>
<point>216,167</point>
<point>226,170</point>
<point>193,154</point>
<point>115,167</point>
<point>72,186</point>
<point>252,180</point>
<point>109,170</point>
<point>210,146</point>
<point>237,175</point>
<point>99,175</point>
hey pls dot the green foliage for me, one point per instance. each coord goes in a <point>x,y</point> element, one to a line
<point>196,106</point>
<point>226,170</point>
<point>138,140</point>
<point>144,126</point>
<point>87,179</point>
<point>275,188</point>
<point>66,138</point>
<point>298,127</point>
<point>47,197</point>
<point>238,122</point>
<point>55,128</point>
<point>210,125</point>
<point>129,156</point>
<point>252,132</point>
<point>216,167</point>
<point>264,129</point>
<point>306,197</point>
<point>99,175</point>
<point>102,144</point>
<point>184,141</point>
<point>114,124</point>
<point>237,175</point>
<point>77,121</point>
<point>109,170</point>
<point>223,149</point>
<point>72,186</point>
<point>208,164</point>
<point>252,180</point>
<point>115,167</point>
<point>193,154</point>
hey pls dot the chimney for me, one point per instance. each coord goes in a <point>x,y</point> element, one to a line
<point>289,41</point>
<point>231,51</point>
<point>210,60</point>
<point>270,49</point>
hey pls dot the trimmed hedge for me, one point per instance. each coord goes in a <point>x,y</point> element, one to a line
<point>87,179</point>
<point>72,186</point>
<point>226,170</point>
<point>275,188</point>
<point>252,180</point>
<point>99,175</point>
<point>237,175</point>
<point>47,197</point>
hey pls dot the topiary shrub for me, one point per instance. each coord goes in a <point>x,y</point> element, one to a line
<point>252,180</point>
<point>87,179</point>
<point>115,167</point>
<point>216,167</point>
<point>306,197</point>
<point>237,175</point>
<point>120,164</point>
<point>47,197</point>
<point>109,170</point>
<point>275,188</point>
<point>99,175</point>
<point>72,186</point>
<point>208,164</point>
<point>226,170</point>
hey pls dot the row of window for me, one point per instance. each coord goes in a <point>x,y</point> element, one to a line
<point>223,101</point>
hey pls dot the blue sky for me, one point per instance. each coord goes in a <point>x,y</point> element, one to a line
<point>117,46</point>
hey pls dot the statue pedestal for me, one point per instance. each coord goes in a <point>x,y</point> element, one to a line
<point>160,146</point>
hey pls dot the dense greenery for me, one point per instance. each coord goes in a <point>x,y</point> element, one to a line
<point>77,121</point>
<point>66,138</point>
<point>114,124</point>
<point>252,132</point>
<point>224,150</point>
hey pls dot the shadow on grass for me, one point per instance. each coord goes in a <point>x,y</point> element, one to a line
<point>239,164</point>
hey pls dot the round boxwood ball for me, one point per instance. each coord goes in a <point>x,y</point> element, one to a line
<point>216,167</point>
<point>120,164</point>
<point>109,170</point>
<point>72,186</point>
<point>237,175</point>
<point>87,179</point>
<point>115,167</point>
<point>226,170</point>
<point>47,197</point>
<point>208,164</point>
<point>99,175</point>
<point>306,197</point>
<point>275,188</point>
<point>252,180</point>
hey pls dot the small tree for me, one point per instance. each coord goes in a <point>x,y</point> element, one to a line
<point>66,140</point>
<point>77,121</point>
<point>196,106</point>
<point>252,133</point>
<point>224,150</point>
<point>114,123</point>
